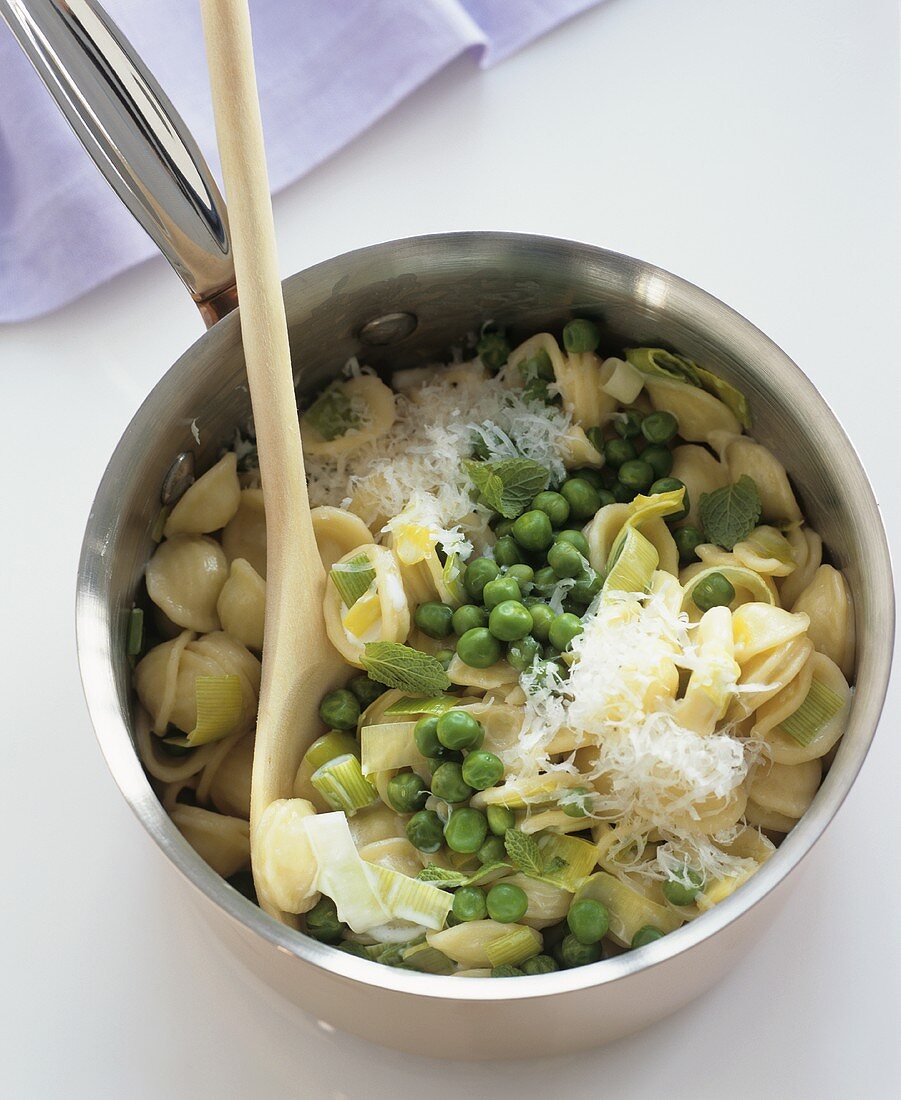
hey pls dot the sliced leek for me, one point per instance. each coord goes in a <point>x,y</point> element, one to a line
<point>326,748</point>
<point>818,709</point>
<point>515,947</point>
<point>427,960</point>
<point>342,784</point>
<point>343,875</point>
<point>352,578</point>
<point>409,899</point>
<point>220,705</point>
<point>390,746</point>
<point>134,641</point>
<point>628,909</point>
<point>633,563</point>
<point>568,861</point>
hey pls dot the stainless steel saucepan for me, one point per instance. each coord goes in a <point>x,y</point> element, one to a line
<point>402,303</point>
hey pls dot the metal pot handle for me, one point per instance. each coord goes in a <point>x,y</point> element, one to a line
<point>135,137</point>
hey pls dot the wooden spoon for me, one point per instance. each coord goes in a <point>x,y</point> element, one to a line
<point>299,663</point>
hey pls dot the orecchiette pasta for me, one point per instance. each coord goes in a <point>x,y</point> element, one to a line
<point>222,841</point>
<point>372,407</point>
<point>164,679</point>
<point>242,603</point>
<point>184,579</point>
<point>337,533</point>
<point>382,614</point>
<point>244,535</point>
<point>827,603</point>
<point>210,503</point>
<point>700,473</point>
<point>744,457</point>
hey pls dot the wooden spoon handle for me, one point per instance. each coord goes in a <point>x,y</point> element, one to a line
<point>298,662</point>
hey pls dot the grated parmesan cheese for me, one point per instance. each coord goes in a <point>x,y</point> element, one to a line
<point>420,458</point>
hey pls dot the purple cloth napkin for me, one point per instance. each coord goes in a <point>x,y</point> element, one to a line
<point>326,72</point>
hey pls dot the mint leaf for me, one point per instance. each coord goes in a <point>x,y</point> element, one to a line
<point>441,876</point>
<point>331,414</point>
<point>524,852</point>
<point>402,667</point>
<point>509,484</point>
<point>730,514</point>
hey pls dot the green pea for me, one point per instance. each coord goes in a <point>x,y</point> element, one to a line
<point>541,618</point>
<point>522,653</point>
<point>565,560</point>
<point>678,892</point>
<point>586,587</point>
<point>407,792</point>
<point>582,497</point>
<point>687,540</point>
<point>444,756</point>
<point>499,591</point>
<point>524,575</point>
<point>539,964</point>
<point>503,527</point>
<point>477,574</point>
<point>593,477</point>
<point>425,734</point>
<point>465,831</point>
<point>533,530</point>
<point>482,770</point>
<point>618,451</point>
<point>645,935</point>
<point>579,802</point>
<point>564,628</point>
<point>507,903</point>
<point>366,690</point>
<point>712,591</point>
<point>434,619</point>
<point>506,970</point>
<point>554,506</point>
<point>500,819</point>
<point>479,648</point>
<point>672,485</point>
<point>468,617</point>
<point>425,831</point>
<point>637,475</point>
<point>492,851</point>
<point>606,497</point>
<point>622,494</point>
<point>659,427</point>
<point>574,538</point>
<point>506,551</point>
<point>580,335</point>
<point>448,783</point>
<point>340,710</point>
<point>659,458</point>
<point>628,423</point>
<point>458,729</point>
<point>588,920</point>
<point>493,349</point>
<point>445,656</point>
<point>546,581</point>
<point>572,953</point>
<point>509,621</point>
<point>469,904</point>
<point>538,365</point>
<point>323,923</point>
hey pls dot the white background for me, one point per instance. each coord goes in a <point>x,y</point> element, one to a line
<point>751,147</point>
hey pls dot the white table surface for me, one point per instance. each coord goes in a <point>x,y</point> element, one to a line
<point>754,149</point>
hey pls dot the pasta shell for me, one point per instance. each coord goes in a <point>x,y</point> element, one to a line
<point>210,503</point>
<point>184,579</point>
<point>242,604</point>
<point>744,457</point>
<point>699,413</point>
<point>700,472</point>
<point>221,841</point>
<point>828,604</point>
<point>337,533</point>
<point>786,789</point>
<point>245,535</point>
